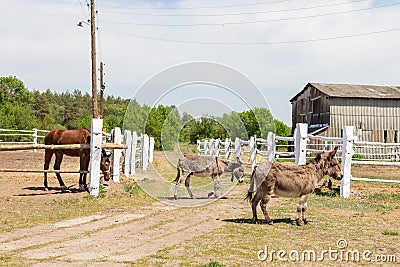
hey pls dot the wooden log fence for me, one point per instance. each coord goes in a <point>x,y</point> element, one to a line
<point>125,146</point>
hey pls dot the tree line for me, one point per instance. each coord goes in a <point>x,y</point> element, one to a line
<point>22,109</point>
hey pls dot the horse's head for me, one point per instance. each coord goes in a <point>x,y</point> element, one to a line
<point>237,170</point>
<point>330,165</point>
<point>105,164</point>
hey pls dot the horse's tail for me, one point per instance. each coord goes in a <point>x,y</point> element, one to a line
<point>249,195</point>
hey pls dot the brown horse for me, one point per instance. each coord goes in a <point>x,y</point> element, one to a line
<point>290,181</point>
<point>66,137</point>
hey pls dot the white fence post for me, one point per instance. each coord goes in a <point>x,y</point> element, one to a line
<point>216,147</point>
<point>128,152</point>
<point>198,147</point>
<point>347,153</point>
<point>211,147</point>
<point>227,148</point>
<point>35,136</point>
<point>95,156</point>
<point>300,142</point>
<point>205,147</point>
<point>253,151</point>
<point>133,146</point>
<point>145,151</point>
<point>151,150</point>
<point>271,146</point>
<point>116,154</point>
<point>238,151</point>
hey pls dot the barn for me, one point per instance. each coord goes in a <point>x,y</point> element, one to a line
<point>374,111</point>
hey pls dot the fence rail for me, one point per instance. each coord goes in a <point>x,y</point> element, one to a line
<point>121,148</point>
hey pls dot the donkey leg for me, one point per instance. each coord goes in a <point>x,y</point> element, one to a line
<point>303,199</point>
<point>57,164</point>
<point>264,201</point>
<point>178,182</point>
<point>48,154</point>
<point>254,202</point>
<point>187,185</point>
<point>216,187</point>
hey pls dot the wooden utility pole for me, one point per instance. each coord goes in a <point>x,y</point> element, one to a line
<point>102,87</point>
<point>94,69</point>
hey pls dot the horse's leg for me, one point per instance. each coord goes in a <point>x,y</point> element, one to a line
<point>48,154</point>
<point>57,164</point>
<point>264,201</point>
<point>84,166</point>
<point>254,202</point>
<point>187,184</point>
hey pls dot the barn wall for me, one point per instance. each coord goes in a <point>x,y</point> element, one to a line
<point>376,120</point>
<point>311,107</point>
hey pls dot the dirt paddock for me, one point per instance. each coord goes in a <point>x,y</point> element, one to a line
<point>53,228</point>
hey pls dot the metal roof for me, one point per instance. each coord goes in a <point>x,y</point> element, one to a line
<point>355,91</point>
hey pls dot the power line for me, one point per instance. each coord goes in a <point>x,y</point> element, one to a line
<point>251,22</point>
<point>255,43</point>
<point>234,14</point>
<point>198,7</point>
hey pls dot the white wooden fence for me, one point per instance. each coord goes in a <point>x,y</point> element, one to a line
<point>33,134</point>
<point>387,154</point>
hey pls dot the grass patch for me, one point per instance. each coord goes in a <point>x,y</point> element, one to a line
<point>391,233</point>
<point>212,264</point>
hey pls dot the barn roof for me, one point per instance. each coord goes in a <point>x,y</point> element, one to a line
<point>355,91</point>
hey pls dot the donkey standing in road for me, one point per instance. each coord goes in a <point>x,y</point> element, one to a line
<point>206,166</point>
<point>291,182</point>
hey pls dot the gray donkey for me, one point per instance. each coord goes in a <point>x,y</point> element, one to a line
<point>206,166</point>
<point>290,181</point>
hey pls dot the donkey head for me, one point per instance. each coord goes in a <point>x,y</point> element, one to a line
<point>105,164</point>
<point>237,170</point>
<point>330,165</point>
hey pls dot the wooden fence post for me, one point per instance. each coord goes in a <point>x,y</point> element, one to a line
<point>211,147</point>
<point>300,143</point>
<point>253,151</point>
<point>145,151</point>
<point>116,154</point>
<point>271,146</point>
<point>127,152</point>
<point>347,154</point>
<point>151,150</point>
<point>95,156</point>
<point>132,161</point>
<point>227,148</point>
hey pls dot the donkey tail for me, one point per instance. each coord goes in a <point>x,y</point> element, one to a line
<point>249,195</point>
<point>178,175</point>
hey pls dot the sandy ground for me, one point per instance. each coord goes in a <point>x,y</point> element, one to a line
<point>105,239</point>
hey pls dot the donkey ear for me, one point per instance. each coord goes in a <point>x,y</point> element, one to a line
<point>332,153</point>
<point>318,157</point>
<point>238,160</point>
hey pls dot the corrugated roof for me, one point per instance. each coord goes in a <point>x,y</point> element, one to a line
<point>355,91</point>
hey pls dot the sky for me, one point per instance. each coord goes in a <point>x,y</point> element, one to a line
<point>280,45</point>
